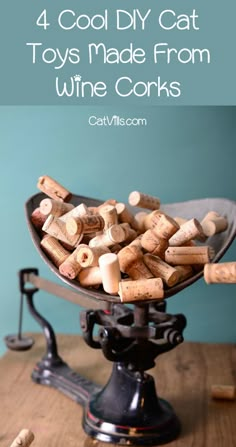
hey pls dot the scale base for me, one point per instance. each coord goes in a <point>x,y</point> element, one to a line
<point>128,412</point>
<point>60,376</point>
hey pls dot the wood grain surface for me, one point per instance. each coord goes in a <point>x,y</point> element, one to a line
<point>183,376</point>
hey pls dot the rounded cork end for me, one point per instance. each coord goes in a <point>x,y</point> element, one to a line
<point>209,228</point>
<point>120,208</point>
<point>73,226</point>
<point>46,206</point>
<point>116,233</point>
<point>134,198</point>
<point>85,256</point>
<point>69,269</point>
<point>173,279</point>
<point>107,259</point>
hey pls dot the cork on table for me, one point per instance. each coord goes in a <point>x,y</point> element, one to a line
<point>183,376</point>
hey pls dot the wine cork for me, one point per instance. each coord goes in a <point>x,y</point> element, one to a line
<point>53,189</point>
<point>214,225</point>
<point>91,276</point>
<point>54,250</point>
<point>88,256</point>
<point>166,227</point>
<point>70,267</point>
<point>23,439</point>
<point>37,218</point>
<point>139,270</point>
<point>187,255</point>
<point>185,271</point>
<point>220,273</point>
<point>141,200</point>
<point>125,216</point>
<point>111,236</point>
<point>210,215</point>
<point>180,220</point>
<point>131,262</point>
<point>161,269</point>
<point>189,230</point>
<point>128,255</point>
<point>223,392</point>
<point>77,211</point>
<point>154,245</point>
<point>54,207</point>
<point>109,214</point>
<point>139,219</point>
<point>110,272</point>
<point>152,219</point>
<point>130,234</point>
<point>140,290</point>
<point>85,224</point>
<point>57,228</point>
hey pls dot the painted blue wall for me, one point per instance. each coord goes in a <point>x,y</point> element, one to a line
<point>183,153</point>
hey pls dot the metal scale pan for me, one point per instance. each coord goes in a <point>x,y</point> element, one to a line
<point>189,209</point>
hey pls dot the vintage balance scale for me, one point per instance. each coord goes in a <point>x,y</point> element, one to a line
<point>127,411</point>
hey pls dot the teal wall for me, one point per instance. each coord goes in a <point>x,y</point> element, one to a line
<point>183,153</point>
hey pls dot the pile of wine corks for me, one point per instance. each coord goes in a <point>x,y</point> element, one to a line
<point>136,255</point>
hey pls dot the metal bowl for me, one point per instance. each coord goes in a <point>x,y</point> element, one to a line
<point>194,208</point>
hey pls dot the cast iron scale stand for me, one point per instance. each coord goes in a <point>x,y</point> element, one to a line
<point>127,410</point>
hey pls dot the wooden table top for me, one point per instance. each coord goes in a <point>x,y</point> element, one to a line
<point>183,377</point>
